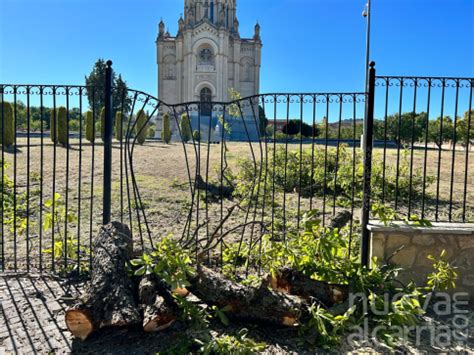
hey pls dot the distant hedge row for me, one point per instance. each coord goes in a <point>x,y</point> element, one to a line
<point>59,129</point>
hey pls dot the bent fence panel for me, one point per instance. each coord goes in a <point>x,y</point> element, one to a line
<point>238,174</point>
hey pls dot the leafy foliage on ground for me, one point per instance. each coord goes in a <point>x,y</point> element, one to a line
<point>321,254</point>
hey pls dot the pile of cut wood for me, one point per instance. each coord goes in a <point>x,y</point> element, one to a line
<point>113,298</point>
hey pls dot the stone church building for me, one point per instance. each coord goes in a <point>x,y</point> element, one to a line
<point>205,59</point>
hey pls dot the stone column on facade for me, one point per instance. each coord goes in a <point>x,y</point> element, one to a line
<point>159,61</point>
<point>225,68</point>
<point>258,64</point>
<point>220,67</point>
<point>179,69</point>
<point>188,67</point>
<point>237,65</point>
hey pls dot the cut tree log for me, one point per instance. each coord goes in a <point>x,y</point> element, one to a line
<point>108,299</point>
<point>159,310</point>
<point>295,282</point>
<point>247,302</point>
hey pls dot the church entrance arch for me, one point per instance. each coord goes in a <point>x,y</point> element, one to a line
<point>205,98</point>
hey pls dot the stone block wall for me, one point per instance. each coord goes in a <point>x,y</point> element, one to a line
<point>420,242</point>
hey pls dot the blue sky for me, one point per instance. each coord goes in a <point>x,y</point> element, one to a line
<point>309,45</point>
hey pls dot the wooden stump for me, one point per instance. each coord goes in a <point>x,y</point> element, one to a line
<point>108,299</point>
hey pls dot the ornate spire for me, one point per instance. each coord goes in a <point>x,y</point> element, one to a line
<point>236,26</point>
<point>161,28</point>
<point>180,25</point>
<point>256,35</point>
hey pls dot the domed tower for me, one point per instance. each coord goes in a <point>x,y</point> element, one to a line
<point>208,56</point>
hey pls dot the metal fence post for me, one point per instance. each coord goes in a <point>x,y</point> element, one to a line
<point>108,122</point>
<point>368,145</point>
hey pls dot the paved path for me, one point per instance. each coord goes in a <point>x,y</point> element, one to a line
<point>32,322</point>
<point>32,314</point>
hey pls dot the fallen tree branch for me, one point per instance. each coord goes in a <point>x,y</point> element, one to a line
<point>247,302</point>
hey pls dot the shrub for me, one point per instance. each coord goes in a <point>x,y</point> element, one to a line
<point>294,172</point>
<point>102,123</point>
<point>185,126</point>
<point>141,126</point>
<point>90,129</point>
<point>292,127</point>
<point>119,124</point>
<point>196,135</point>
<point>151,131</point>
<point>74,125</point>
<point>165,129</point>
<point>61,120</point>
<point>8,125</point>
<point>53,127</point>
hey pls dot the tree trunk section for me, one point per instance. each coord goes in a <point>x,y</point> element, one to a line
<point>246,302</point>
<point>159,310</point>
<point>295,282</point>
<point>108,299</point>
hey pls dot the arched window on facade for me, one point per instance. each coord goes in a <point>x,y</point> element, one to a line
<point>206,99</point>
<point>206,57</point>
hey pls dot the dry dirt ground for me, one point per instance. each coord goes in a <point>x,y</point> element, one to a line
<point>162,178</point>
<point>32,321</point>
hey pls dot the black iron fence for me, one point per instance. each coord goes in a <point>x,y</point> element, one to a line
<point>430,121</point>
<point>226,177</point>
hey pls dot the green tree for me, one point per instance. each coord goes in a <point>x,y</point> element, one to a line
<point>61,119</point>
<point>185,127</point>
<point>379,130</point>
<point>95,82</point>
<point>196,135</point>
<point>165,129</point>
<point>434,134</point>
<point>53,126</point>
<point>291,128</point>
<point>466,124</point>
<point>141,127</point>
<point>8,125</point>
<point>151,131</point>
<point>402,129</point>
<point>309,130</point>
<point>119,125</point>
<point>102,123</point>
<point>262,120</point>
<point>297,126</point>
<point>324,126</point>
<point>90,129</point>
